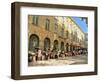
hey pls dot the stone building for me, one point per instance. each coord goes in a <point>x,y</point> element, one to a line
<point>54,32</point>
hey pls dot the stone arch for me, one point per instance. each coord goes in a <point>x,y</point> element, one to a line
<point>33,42</point>
<point>47,43</point>
<point>55,45</point>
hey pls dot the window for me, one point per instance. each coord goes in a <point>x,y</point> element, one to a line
<point>62,32</point>
<point>67,34</point>
<point>47,24</point>
<point>56,25</point>
<point>35,20</point>
<point>76,36</point>
<point>72,35</point>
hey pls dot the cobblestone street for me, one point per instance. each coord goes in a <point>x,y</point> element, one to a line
<point>71,60</point>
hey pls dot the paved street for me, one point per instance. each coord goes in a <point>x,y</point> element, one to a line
<point>79,59</point>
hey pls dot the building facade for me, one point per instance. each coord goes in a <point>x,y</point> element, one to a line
<point>86,40</point>
<point>55,33</point>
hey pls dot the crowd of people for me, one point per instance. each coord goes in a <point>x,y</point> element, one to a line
<point>40,54</point>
